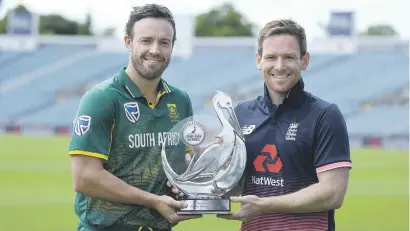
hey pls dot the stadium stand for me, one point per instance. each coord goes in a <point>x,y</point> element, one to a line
<point>380,120</point>
<point>43,87</point>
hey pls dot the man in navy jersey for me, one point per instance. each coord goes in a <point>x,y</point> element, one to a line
<point>297,144</point>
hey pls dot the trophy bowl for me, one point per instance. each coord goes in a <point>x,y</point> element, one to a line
<point>218,158</point>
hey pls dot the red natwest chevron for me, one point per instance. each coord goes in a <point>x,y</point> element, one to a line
<point>258,163</point>
<point>276,166</point>
<point>271,149</point>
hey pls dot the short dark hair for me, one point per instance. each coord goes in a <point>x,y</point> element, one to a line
<point>283,26</point>
<point>149,11</point>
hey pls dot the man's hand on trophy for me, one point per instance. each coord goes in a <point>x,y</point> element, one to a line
<point>188,158</point>
<point>166,206</point>
<point>251,206</point>
<point>178,194</point>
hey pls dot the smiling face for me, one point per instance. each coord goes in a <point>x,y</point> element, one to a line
<point>151,46</point>
<point>281,62</point>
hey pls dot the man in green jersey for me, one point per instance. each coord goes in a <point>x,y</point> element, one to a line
<point>119,129</point>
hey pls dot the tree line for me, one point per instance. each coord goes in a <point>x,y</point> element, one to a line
<point>223,20</point>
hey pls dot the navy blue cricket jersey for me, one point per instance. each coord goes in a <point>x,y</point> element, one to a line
<point>287,146</point>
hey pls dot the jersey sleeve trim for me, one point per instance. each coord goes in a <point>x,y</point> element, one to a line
<point>333,166</point>
<point>188,148</point>
<point>86,153</point>
<point>112,130</point>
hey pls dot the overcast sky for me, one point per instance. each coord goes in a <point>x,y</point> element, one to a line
<point>114,13</point>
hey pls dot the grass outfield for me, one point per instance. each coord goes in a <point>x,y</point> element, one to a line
<point>36,191</point>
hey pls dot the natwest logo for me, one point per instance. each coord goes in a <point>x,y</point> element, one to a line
<point>268,155</point>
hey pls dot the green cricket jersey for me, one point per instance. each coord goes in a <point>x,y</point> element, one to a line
<point>115,122</point>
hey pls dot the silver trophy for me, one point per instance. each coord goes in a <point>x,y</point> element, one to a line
<point>218,158</point>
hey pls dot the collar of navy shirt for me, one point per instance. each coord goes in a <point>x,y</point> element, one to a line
<point>295,97</point>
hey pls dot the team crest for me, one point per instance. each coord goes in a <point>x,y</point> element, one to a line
<point>292,131</point>
<point>132,111</point>
<point>82,125</point>
<point>172,112</point>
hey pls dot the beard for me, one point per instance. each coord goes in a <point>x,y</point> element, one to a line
<point>148,73</point>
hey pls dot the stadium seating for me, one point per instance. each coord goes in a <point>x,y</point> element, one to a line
<point>382,120</point>
<point>32,82</point>
<point>362,76</point>
<point>45,56</point>
<point>58,114</point>
<point>8,55</point>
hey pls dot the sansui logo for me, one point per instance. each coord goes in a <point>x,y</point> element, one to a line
<point>269,155</point>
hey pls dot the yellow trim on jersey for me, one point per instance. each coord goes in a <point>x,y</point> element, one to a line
<point>141,227</point>
<point>188,148</point>
<point>161,93</point>
<point>86,153</point>
<point>112,130</point>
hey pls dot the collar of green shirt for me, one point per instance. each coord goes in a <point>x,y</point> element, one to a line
<point>132,89</point>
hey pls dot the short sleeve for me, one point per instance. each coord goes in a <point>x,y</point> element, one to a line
<point>93,126</point>
<point>332,149</point>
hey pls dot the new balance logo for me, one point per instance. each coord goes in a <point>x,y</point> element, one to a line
<point>292,130</point>
<point>247,129</point>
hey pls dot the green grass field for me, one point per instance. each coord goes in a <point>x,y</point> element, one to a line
<point>36,191</point>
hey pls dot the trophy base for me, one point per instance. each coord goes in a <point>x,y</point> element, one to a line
<point>206,206</point>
